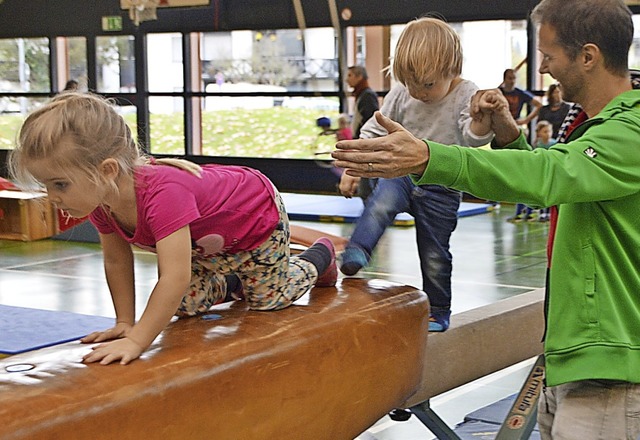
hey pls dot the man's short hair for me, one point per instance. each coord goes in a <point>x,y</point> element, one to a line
<point>506,72</point>
<point>359,71</point>
<point>606,23</point>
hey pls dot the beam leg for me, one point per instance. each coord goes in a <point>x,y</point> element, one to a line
<point>433,421</point>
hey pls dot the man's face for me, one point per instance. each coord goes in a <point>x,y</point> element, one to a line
<point>353,79</point>
<point>559,65</point>
<point>509,82</point>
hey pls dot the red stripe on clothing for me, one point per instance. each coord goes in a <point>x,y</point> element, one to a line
<point>553,222</point>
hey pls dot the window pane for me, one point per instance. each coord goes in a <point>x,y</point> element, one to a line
<point>271,57</point>
<point>77,60</point>
<point>167,125</point>
<point>115,64</point>
<point>164,62</point>
<point>12,113</point>
<point>24,65</point>
<point>246,75</point>
<point>288,130</point>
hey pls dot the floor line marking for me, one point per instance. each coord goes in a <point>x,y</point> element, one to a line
<point>52,260</point>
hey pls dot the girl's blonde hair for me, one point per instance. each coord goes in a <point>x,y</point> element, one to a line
<point>79,130</point>
<point>428,49</point>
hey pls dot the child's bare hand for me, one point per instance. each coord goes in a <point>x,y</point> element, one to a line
<point>120,330</point>
<point>125,350</point>
<point>487,102</point>
<point>348,185</point>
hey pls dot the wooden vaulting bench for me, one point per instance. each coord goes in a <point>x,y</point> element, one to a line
<point>327,369</point>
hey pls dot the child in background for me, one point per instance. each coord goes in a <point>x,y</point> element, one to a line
<point>344,133</point>
<point>209,225</point>
<point>544,132</point>
<point>432,101</point>
<point>544,139</point>
<point>325,125</point>
<point>523,213</point>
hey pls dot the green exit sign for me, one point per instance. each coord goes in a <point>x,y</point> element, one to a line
<point>112,23</point>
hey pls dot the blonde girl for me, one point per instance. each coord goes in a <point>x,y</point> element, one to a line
<point>208,225</point>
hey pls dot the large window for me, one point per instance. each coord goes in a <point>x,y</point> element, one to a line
<point>259,92</point>
<point>247,93</point>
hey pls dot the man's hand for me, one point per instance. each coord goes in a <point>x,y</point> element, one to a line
<point>125,350</point>
<point>397,154</point>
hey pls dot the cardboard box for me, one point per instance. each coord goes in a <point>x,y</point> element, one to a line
<point>26,216</point>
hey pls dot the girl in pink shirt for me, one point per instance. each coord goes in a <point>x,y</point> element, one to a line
<point>210,226</point>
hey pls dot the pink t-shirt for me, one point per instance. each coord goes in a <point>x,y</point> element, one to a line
<point>228,209</point>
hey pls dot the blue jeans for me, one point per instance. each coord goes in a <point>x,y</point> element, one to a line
<point>435,210</point>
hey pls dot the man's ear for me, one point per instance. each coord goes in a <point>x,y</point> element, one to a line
<point>109,169</point>
<point>590,56</point>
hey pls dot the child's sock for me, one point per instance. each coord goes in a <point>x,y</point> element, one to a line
<point>439,320</point>
<point>323,256</point>
<point>353,259</point>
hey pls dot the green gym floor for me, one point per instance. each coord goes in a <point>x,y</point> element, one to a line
<point>493,259</point>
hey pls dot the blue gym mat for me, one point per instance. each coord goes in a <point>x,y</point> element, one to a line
<point>311,207</point>
<point>23,329</point>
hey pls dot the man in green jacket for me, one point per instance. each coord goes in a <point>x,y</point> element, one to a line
<point>592,342</point>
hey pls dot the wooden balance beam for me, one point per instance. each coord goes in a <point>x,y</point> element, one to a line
<point>325,369</point>
<point>479,342</point>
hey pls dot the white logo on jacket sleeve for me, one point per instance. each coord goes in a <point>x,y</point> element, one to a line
<point>591,152</point>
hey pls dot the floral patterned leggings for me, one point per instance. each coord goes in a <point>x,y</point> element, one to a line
<point>272,279</point>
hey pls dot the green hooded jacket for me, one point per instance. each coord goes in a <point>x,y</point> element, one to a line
<point>593,317</point>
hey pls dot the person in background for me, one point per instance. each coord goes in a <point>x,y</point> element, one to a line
<point>555,110</point>
<point>591,389</point>
<point>432,100</point>
<point>211,226</point>
<point>544,135</point>
<point>325,125</point>
<point>544,139</point>
<point>71,86</point>
<point>523,213</point>
<point>365,106</point>
<point>518,98</point>
<point>366,98</point>
<point>344,133</point>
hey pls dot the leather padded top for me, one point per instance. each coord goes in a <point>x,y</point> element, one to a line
<point>327,367</point>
